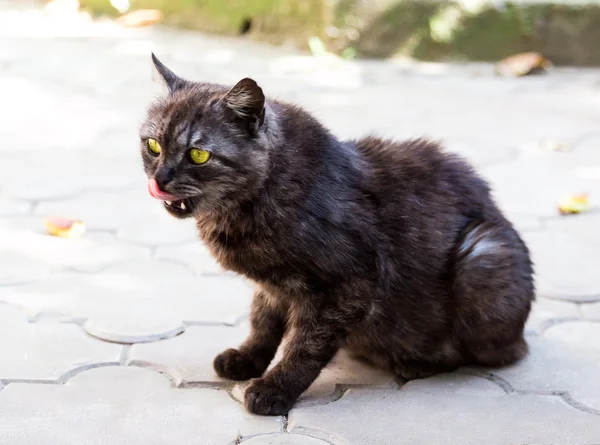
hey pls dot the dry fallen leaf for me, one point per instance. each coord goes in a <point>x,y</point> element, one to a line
<point>522,64</point>
<point>141,17</point>
<point>574,204</point>
<point>552,145</point>
<point>63,227</point>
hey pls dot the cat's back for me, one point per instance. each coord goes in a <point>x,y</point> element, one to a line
<point>426,197</point>
<point>420,175</point>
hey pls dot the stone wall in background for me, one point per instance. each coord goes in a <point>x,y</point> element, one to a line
<point>568,33</point>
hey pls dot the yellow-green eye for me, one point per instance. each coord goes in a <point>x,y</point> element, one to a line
<point>154,147</point>
<point>199,156</point>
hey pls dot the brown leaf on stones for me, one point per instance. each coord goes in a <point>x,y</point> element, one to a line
<point>523,64</point>
<point>556,146</point>
<point>140,18</point>
<point>574,204</point>
<point>64,227</point>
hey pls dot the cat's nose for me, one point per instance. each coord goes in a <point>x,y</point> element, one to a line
<point>163,176</point>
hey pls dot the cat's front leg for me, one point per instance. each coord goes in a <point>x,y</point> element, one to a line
<point>315,338</point>
<point>255,354</point>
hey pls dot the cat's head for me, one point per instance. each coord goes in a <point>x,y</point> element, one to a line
<point>204,146</point>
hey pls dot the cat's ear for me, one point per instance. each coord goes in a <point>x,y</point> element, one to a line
<point>165,76</point>
<point>247,101</point>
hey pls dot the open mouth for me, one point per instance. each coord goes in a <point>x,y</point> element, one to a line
<point>176,206</point>
<point>180,208</point>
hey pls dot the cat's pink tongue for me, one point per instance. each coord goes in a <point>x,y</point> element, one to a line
<point>157,193</point>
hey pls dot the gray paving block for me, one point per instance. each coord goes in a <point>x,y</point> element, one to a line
<point>140,218</point>
<point>64,174</point>
<point>589,143</point>
<point>524,222</point>
<point>95,208</point>
<point>133,327</point>
<point>566,254</point>
<point>454,384</point>
<point>546,312</point>
<point>189,356</point>
<point>136,301</point>
<point>565,359</point>
<point>471,149</point>
<point>284,439</point>
<point>19,269</point>
<point>367,417</point>
<point>535,184</point>
<point>46,350</point>
<point>591,311</point>
<point>153,229</point>
<point>193,254</point>
<point>47,130</point>
<point>26,239</point>
<point>124,405</point>
<point>10,207</point>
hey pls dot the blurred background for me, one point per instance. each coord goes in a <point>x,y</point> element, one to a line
<point>95,274</point>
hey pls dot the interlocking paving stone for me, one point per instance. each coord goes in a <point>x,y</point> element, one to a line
<point>64,174</point>
<point>524,222</point>
<point>19,269</point>
<point>48,127</point>
<point>26,238</point>
<point>284,439</point>
<point>566,255</point>
<point>189,356</point>
<point>591,311</point>
<point>139,218</point>
<point>367,417</point>
<point>133,327</point>
<point>566,358</point>
<point>471,150</point>
<point>11,207</point>
<point>123,405</point>
<point>46,350</point>
<point>545,312</point>
<point>153,229</point>
<point>455,384</point>
<point>589,143</point>
<point>136,301</point>
<point>535,184</point>
<point>193,254</point>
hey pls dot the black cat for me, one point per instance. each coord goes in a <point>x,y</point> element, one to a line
<point>393,250</point>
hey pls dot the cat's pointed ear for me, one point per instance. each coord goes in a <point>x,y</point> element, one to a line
<point>247,101</point>
<point>165,76</point>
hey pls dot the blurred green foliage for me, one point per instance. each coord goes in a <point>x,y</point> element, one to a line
<point>430,30</point>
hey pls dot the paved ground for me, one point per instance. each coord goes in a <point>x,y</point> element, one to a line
<point>109,339</point>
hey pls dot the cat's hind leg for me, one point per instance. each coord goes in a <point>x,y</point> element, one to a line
<point>493,291</point>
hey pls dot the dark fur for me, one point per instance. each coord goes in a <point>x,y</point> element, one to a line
<point>394,250</point>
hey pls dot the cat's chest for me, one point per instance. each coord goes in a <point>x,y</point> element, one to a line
<point>247,255</point>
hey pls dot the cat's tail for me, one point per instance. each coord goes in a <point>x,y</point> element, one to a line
<point>493,291</point>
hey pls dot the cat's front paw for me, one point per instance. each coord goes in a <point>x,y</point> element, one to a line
<point>235,365</point>
<point>264,398</point>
